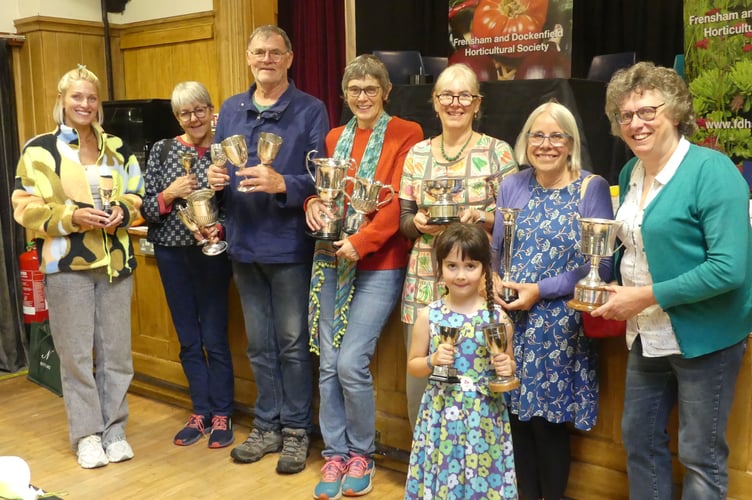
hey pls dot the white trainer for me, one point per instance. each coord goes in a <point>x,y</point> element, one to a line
<point>90,453</point>
<point>119,451</point>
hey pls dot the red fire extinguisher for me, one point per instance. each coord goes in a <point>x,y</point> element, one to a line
<point>32,285</point>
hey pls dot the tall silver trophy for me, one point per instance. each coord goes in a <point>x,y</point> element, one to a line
<point>329,179</point>
<point>440,197</point>
<point>446,374</point>
<point>204,213</point>
<point>497,335</point>
<point>597,238</point>
<point>509,219</point>
<point>365,200</point>
<point>236,150</point>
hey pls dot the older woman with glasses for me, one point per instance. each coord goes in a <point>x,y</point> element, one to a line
<point>195,284</point>
<point>460,152</point>
<point>685,275</point>
<point>556,363</point>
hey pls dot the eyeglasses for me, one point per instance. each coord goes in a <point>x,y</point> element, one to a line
<point>464,98</point>
<point>200,113</point>
<point>274,54</point>
<point>645,113</point>
<point>556,139</point>
<point>369,91</point>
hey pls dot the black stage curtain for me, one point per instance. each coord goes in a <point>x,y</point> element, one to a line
<point>12,353</point>
<point>653,29</point>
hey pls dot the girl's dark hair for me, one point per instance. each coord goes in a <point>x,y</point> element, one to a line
<point>472,242</point>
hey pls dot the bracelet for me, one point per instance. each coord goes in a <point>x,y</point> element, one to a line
<point>428,362</point>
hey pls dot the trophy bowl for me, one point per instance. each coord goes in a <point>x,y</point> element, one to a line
<point>268,147</point>
<point>597,239</point>
<point>443,192</point>
<point>236,151</point>
<point>364,201</point>
<point>204,213</point>
<point>496,335</point>
<point>446,374</point>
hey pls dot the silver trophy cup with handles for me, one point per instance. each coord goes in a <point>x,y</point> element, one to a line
<point>441,199</point>
<point>364,200</point>
<point>446,374</point>
<point>597,239</point>
<point>203,212</point>
<point>509,219</point>
<point>329,179</point>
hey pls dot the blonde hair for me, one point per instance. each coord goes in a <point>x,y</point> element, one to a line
<point>565,119</point>
<point>75,75</point>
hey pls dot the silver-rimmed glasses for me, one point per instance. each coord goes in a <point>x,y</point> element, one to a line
<point>556,139</point>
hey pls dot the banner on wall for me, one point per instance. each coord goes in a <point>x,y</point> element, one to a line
<point>718,67</point>
<point>512,39</point>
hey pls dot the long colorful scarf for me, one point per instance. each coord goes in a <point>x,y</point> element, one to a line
<point>324,254</point>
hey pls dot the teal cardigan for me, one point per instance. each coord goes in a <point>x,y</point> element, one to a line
<point>698,243</point>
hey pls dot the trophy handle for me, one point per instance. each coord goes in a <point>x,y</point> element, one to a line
<point>308,162</point>
<point>389,196</point>
<point>344,185</point>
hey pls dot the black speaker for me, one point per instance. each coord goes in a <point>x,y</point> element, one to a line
<point>117,6</point>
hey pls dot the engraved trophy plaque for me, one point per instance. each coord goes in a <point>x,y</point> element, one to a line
<point>597,237</point>
<point>364,200</point>
<point>330,184</point>
<point>497,335</point>
<point>509,219</point>
<point>443,192</point>
<point>446,374</point>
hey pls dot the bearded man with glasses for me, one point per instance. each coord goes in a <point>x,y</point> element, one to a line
<point>267,245</point>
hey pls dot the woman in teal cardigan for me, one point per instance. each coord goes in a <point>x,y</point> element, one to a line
<point>685,279</point>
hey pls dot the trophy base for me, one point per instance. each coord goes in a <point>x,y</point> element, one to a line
<point>445,379</point>
<point>433,221</point>
<point>324,236</point>
<point>504,384</point>
<point>245,189</point>
<point>214,248</point>
<point>588,298</point>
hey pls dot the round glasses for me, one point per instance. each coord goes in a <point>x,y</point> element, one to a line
<point>645,113</point>
<point>464,98</point>
<point>556,139</point>
<point>200,113</point>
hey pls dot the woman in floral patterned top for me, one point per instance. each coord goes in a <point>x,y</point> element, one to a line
<point>458,151</point>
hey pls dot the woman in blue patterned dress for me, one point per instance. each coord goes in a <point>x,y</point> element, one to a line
<point>462,448</point>
<point>556,363</point>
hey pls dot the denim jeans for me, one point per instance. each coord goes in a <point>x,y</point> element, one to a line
<point>274,298</point>
<point>704,390</point>
<point>196,287</point>
<point>347,412</point>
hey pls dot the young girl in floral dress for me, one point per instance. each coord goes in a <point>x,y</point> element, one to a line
<point>462,446</point>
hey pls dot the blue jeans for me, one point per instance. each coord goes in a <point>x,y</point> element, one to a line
<point>275,309</point>
<point>704,389</point>
<point>347,410</point>
<point>196,287</point>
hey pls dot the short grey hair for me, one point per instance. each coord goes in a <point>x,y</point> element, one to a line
<point>75,75</point>
<point>189,92</point>
<point>268,30</point>
<point>366,65</point>
<point>565,119</point>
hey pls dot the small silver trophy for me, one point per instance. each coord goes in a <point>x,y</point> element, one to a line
<point>330,184</point>
<point>268,147</point>
<point>446,374</point>
<point>509,219</point>
<point>496,342</point>
<point>364,200</point>
<point>219,158</point>
<point>204,213</point>
<point>105,192</point>
<point>597,238</point>
<point>441,194</point>
<point>236,151</point>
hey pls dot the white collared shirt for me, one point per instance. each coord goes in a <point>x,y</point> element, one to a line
<point>652,323</point>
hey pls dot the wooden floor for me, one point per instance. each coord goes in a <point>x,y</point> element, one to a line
<point>35,428</point>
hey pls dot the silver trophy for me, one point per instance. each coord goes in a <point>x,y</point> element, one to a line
<point>330,184</point>
<point>597,238</point>
<point>219,158</point>
<point>105,192</point>
<point>204,213</point>
<point>185,216</point>
<point>236,151</point>
<point>496,335</point>
<point>268,147</point>
<point>364,200</point>
<point>441,201</point>
<point>446,374</point>
<point>509,219</point>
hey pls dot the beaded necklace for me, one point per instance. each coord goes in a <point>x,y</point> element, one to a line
<point>451,159</point>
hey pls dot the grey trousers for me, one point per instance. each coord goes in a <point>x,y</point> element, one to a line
<point>414,386</point>
<point>90,321</point>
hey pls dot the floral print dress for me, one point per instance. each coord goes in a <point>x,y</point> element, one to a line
<point>462,446</point>
<point>556,363</point>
